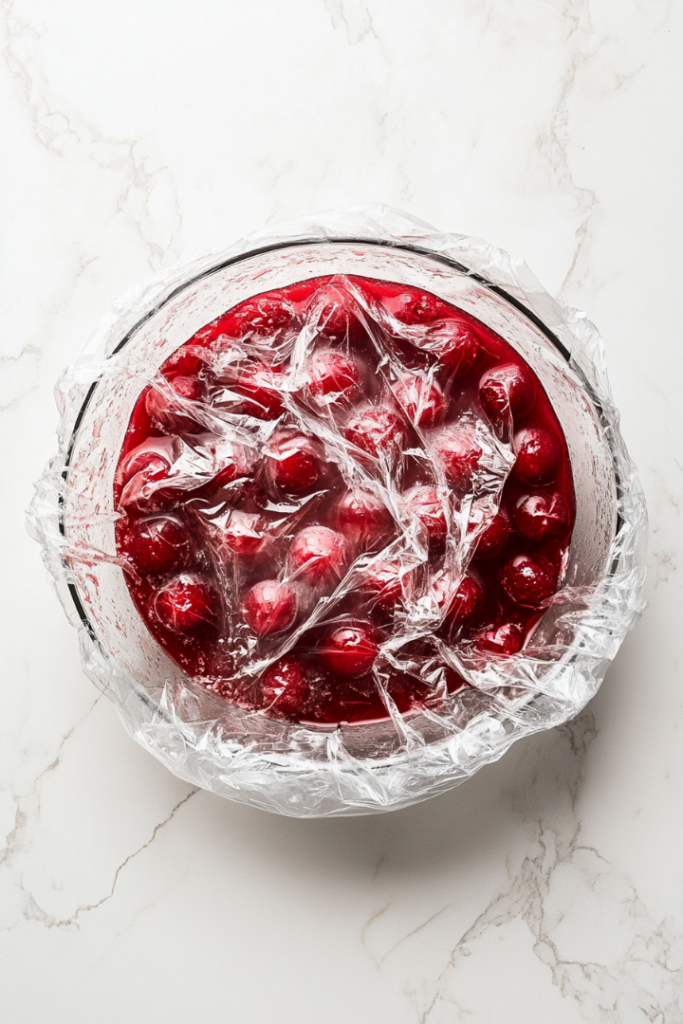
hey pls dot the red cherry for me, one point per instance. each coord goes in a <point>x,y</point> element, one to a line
<point>350,650</point>
<point>466,604</point>
<point>541,517</point>
<point>293,463</point>
<point>379,432</point>
<point>259,391</point>
<point>333,375</point>
<point>265,316</point>
<point>529,581</point>
<point>270,607</point>
<point>335,316</point>
<point>424,502</point>
<point>363,518</point>
<point>503,640</point>
<point>538,456</point>
<point>285,688</point>
<point>459,452</point>
<point>457,346</point>
<point>144,471</point>
<point>235,465</point>
<point>226,327</point>
<point>462,604</point>
<point>173,406</point>
<point>187,361</point>
<point>187,606</point>
<point>506,390</point>
<point>383,584</point>
<point>421,399</point>
<point>158,547</point>
<point>417,307</point>
<point>155,455</point>
<point>318,555</point>
<point>140,491</point>
<point>243,535</point>
<point>495,536</point>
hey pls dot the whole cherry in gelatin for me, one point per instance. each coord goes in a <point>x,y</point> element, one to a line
<point>145,472</point>
<point>155,456</point>
<point>293,463</point>
<point>285,688</point>
<point>502,640</point>
<point>378,431</point>
<point>506,390</point>
<point>243,535</point>
<point>416,307</point>
<point>144,491</point>
<point>158,546</point>
<point>233,470</point>
<point>270,607</point>
<point>529,581</point>
<point>495,535</point>
<point>318,555</point>
<point>538,456</point>
<point>466,603</point>
<point>187,361</point>
<point>334,376</point>
<point>421,398</point>
<point>542,517</point>
<point>335,316</point>
<point>350,650</point>
<point>258,391</point>
<point>457,347</point>
<point>363,518</point>
<point>460,604</point>
<point>383,585</point>
<point>459,453</point>
<point>187,607</point>
<point>266,316</point>
<point>174,406</point>
<point>424,503</point>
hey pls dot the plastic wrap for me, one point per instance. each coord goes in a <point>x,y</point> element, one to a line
<point>452,695</point>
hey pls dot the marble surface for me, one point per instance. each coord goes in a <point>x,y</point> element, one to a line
<point>548,888</point>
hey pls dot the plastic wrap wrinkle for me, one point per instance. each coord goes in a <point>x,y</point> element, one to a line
<point>376,436</point>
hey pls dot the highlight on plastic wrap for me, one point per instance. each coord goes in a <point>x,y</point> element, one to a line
<point>341,512</point>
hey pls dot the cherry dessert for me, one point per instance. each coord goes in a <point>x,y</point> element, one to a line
<point>330,484</point>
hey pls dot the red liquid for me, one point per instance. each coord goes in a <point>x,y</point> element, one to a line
<point>243,450</point>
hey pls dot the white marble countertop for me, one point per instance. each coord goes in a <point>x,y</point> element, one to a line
<point>548,888</point>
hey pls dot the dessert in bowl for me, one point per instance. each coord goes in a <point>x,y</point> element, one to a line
<point>332,484</point>
<point>334,514</point>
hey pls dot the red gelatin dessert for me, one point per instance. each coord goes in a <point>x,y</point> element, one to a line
<point>332,480</point>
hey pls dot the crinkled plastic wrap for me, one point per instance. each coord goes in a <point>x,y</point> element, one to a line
<point>240,750</point>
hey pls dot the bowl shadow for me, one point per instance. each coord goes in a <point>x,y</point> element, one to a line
<point>537,780</point>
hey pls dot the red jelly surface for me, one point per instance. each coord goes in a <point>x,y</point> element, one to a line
<point>300,482</point>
